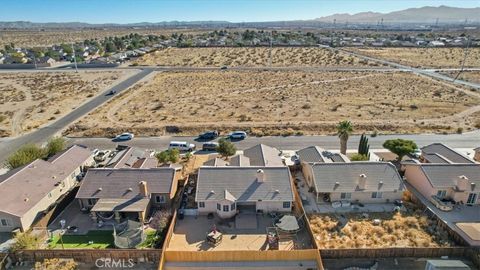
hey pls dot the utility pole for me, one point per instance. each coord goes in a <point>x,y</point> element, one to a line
<point>74,58</point>
<point>464,59</point>
<point>34,60</point>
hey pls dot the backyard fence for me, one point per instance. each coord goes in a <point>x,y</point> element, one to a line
<point>168,236</point>
<point>372,253</point>
<point>88,255</point>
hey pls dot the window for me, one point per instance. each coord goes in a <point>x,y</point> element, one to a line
<point>286,204</point>
<point>441,193</point>
<point>201,204</point>
<point>232,206</point>
<point>225,208</point>
<point>345,195</point>
<point>160,199</point>
<point>219,207</point>
<point>5,222</point>
<point>377,195</point>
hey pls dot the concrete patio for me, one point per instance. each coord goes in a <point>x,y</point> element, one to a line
<point>190,234</point>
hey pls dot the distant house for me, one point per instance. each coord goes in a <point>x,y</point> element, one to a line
<point>228,190</point>
<point>458,182</point>
<point>263,155</point>
<point>132,157</point>
<point>365,182</point>
<point>27,192</point>
<point>127,193</point>
<point>436,43</point>
<point>46,60</point>
<point>440,153</point>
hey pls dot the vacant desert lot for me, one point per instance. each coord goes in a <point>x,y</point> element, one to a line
<point>248,57</point>
<point>31,99</point>
<point>282,103</point>
<point>394,230</point>
<point>425,57</point>
<point>471,76</point>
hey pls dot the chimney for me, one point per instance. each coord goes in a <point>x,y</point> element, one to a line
<point>362,181</point>
<point>142,186</point>
<point>260,176</point>
<point>462,182</point>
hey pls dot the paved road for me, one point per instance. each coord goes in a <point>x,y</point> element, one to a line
<point>466,140</point>
<point>425,72</point>
<point>41,135</point>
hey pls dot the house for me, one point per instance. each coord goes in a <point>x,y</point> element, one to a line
<point>132,157</point>
<point>263,155</point>
<point>216,162</point>
<point>440,153</point>
<point>477,154</point>
<point>228,190</point>
<point>126,193</point>
<point>364,182</point>
<point>46,60</point>
<point>313,154</point>
<point>457,182</point>
<point>27,192</point>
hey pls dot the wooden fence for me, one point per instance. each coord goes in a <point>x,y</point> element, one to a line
<point>240,255</point>
<point>395,252</point>
<point>166,242</point>
<point>88,255</point>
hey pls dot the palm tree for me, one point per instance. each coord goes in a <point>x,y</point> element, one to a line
<point>344,129</point>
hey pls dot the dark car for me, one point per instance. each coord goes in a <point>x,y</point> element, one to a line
<point>209,135</point>
<point>211,146</point>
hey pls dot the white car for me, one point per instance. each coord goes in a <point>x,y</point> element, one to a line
<point>238,135</point>
<point>124,137</point>
<point>181,146</point>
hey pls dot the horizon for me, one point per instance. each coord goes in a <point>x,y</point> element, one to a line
<point>236,11</point>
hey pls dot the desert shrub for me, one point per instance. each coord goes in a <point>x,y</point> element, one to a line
<point>25,155</point>
<point>168,156</point>
<point>226,148</point>
<point>459,130</point>
<point>2,118</point>
<point>359,157</point>
<point>56,264</point>
<point>25,240</point>
<point>55,145</point>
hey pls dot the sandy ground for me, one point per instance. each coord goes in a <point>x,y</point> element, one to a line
<point>425,57</point>
<point>283,103</point>
<point>250,57</point>
<point>471,76</point>
<point>31,99</point>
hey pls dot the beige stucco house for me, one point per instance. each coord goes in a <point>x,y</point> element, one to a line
<point>27,192</point>
<point>457,182</point>
<point>119,194</point>
<point>363,182</point>
<point>441,153</point>
<point>228,190</point>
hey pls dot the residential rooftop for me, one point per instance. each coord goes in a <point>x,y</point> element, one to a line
<point>441,153</point>
<point>263,155</point>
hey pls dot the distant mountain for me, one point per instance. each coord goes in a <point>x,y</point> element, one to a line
<point>27,25</point>
<point>412,15</point>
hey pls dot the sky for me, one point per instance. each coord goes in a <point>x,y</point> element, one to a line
<point>131,11</point>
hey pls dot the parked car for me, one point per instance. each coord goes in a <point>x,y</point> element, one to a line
<point>209,135</point>
<point>210,146</point>
<point>124,137</point>
<point>181,146</point>
<point>223,67</point>
<point>112,92</point>
<point>238,135</point>
<point>95,151</point>
<point>102,155</point>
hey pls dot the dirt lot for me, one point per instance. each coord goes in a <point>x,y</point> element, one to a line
<point>31,99</point>
<point>425,57</point>
<point>48,37</point>
<point>283,103</point>
<point>471,76</point>
<point>249,57</point>
<point>394,230</point>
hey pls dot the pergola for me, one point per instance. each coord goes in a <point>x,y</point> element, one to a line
<point>134,205</point>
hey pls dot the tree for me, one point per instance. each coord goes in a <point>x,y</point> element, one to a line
<point>226,148</point>
<point>24,155</point>
<point>55,145</point>
<point>363,146</point>
<point>168,156</point>
<point>344,129</point>
<point>359,157</point>
<point>25,240</point>
<point>400,147</point>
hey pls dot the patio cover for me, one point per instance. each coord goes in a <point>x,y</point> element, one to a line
<point>288,223</point>
<point>137,204</point>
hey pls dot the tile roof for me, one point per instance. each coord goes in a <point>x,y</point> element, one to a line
<point>435,158</point>
<point>215,162</point>
<point>22,188</point>
<point>241,183</point>
<point>239,160</point>
<point>446,153</point>
<point>343,177</point>
<point>446,175</point>
<point>133,157</point>
<point>123,183</point>
<point>311,154</point>
<point>263,155</point>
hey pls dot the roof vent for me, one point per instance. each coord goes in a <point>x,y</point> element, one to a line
<point>462,182</point>
<point>381,182</point>
<point>100,189</point>
<point>26,199</point>
<point>362,181</point>
<point>337,183</point>
<point>54,177</point>
<point>129,189</point>
<point>212,191</point>
<point>260,176</point>
<point>277,191</point>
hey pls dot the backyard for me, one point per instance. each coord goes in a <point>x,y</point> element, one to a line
<point>376,230</point>
<point>93,239</point>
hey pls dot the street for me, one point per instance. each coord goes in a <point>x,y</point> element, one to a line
<point>466,140</point>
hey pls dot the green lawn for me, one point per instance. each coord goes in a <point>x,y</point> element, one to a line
<point>101,239</point>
